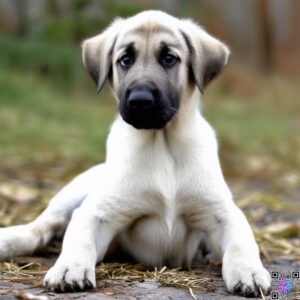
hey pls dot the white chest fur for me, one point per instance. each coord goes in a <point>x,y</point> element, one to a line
<point>161,188</point>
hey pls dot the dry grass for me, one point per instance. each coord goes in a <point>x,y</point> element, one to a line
<point>30,271</point>
<point>166,276</point>
<point>272,246</point>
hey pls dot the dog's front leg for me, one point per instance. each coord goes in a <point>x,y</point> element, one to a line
<point>232,237</point>
<point>86,241</point>
<point>229,232</point>
<point>92,227</point>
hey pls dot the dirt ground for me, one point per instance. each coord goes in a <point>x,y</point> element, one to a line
<point>135,289</point>
<point>273,210</point>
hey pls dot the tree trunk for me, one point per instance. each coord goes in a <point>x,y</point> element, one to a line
<point>265,35</point>
<point>22,11</point>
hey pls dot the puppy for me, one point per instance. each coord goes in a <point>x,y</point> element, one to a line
<point>161,187</point>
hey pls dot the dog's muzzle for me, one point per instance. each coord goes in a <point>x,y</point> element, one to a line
<point>145,106</point>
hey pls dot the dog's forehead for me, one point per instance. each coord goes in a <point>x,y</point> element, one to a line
<point>150,32</point>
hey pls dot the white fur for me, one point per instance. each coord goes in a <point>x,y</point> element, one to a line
<point>157,193</point>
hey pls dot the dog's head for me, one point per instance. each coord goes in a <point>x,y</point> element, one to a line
<point>152,59</point>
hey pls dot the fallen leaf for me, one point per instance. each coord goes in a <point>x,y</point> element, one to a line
<point>28,296</point>
<point>18,193</point>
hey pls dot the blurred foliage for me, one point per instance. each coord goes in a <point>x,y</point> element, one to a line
<point>125,9</point>
<point>76,26</point>
<point>69,29</point>
<point>61,63</point>
<point>39,122</point>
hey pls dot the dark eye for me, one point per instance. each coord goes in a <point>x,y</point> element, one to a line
<point>126,61</point>
<point>169,60</point>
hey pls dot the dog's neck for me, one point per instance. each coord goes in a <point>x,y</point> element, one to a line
<point>189,107</point>
<point>184,129</point>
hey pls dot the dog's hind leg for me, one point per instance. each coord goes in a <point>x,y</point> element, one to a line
<point>25,239</point>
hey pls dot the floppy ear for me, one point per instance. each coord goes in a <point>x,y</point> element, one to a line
<point>97,53</point>
<point>208,55</point>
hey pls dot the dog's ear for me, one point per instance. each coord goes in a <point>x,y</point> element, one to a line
<point>97,53</point>
<point>208,55</point>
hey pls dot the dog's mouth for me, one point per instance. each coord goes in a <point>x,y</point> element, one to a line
<point>150,118</point>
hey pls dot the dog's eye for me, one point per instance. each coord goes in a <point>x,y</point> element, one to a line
<point>169,60</point>
<point>126,61</point>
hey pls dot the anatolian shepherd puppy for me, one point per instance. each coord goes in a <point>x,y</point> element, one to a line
<point>161,188</point>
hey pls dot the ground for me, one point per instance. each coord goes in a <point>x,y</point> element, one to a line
<point>275,220</point>
<point>135,288</point>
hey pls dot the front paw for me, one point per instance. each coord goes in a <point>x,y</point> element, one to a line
<point>70,277</point>
<point>246,278</point>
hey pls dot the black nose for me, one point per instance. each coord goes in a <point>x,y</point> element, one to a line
<point>140,98</point>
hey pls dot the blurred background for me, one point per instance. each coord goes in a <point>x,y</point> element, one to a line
<point>54,125</point>
<point>50,110</point>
